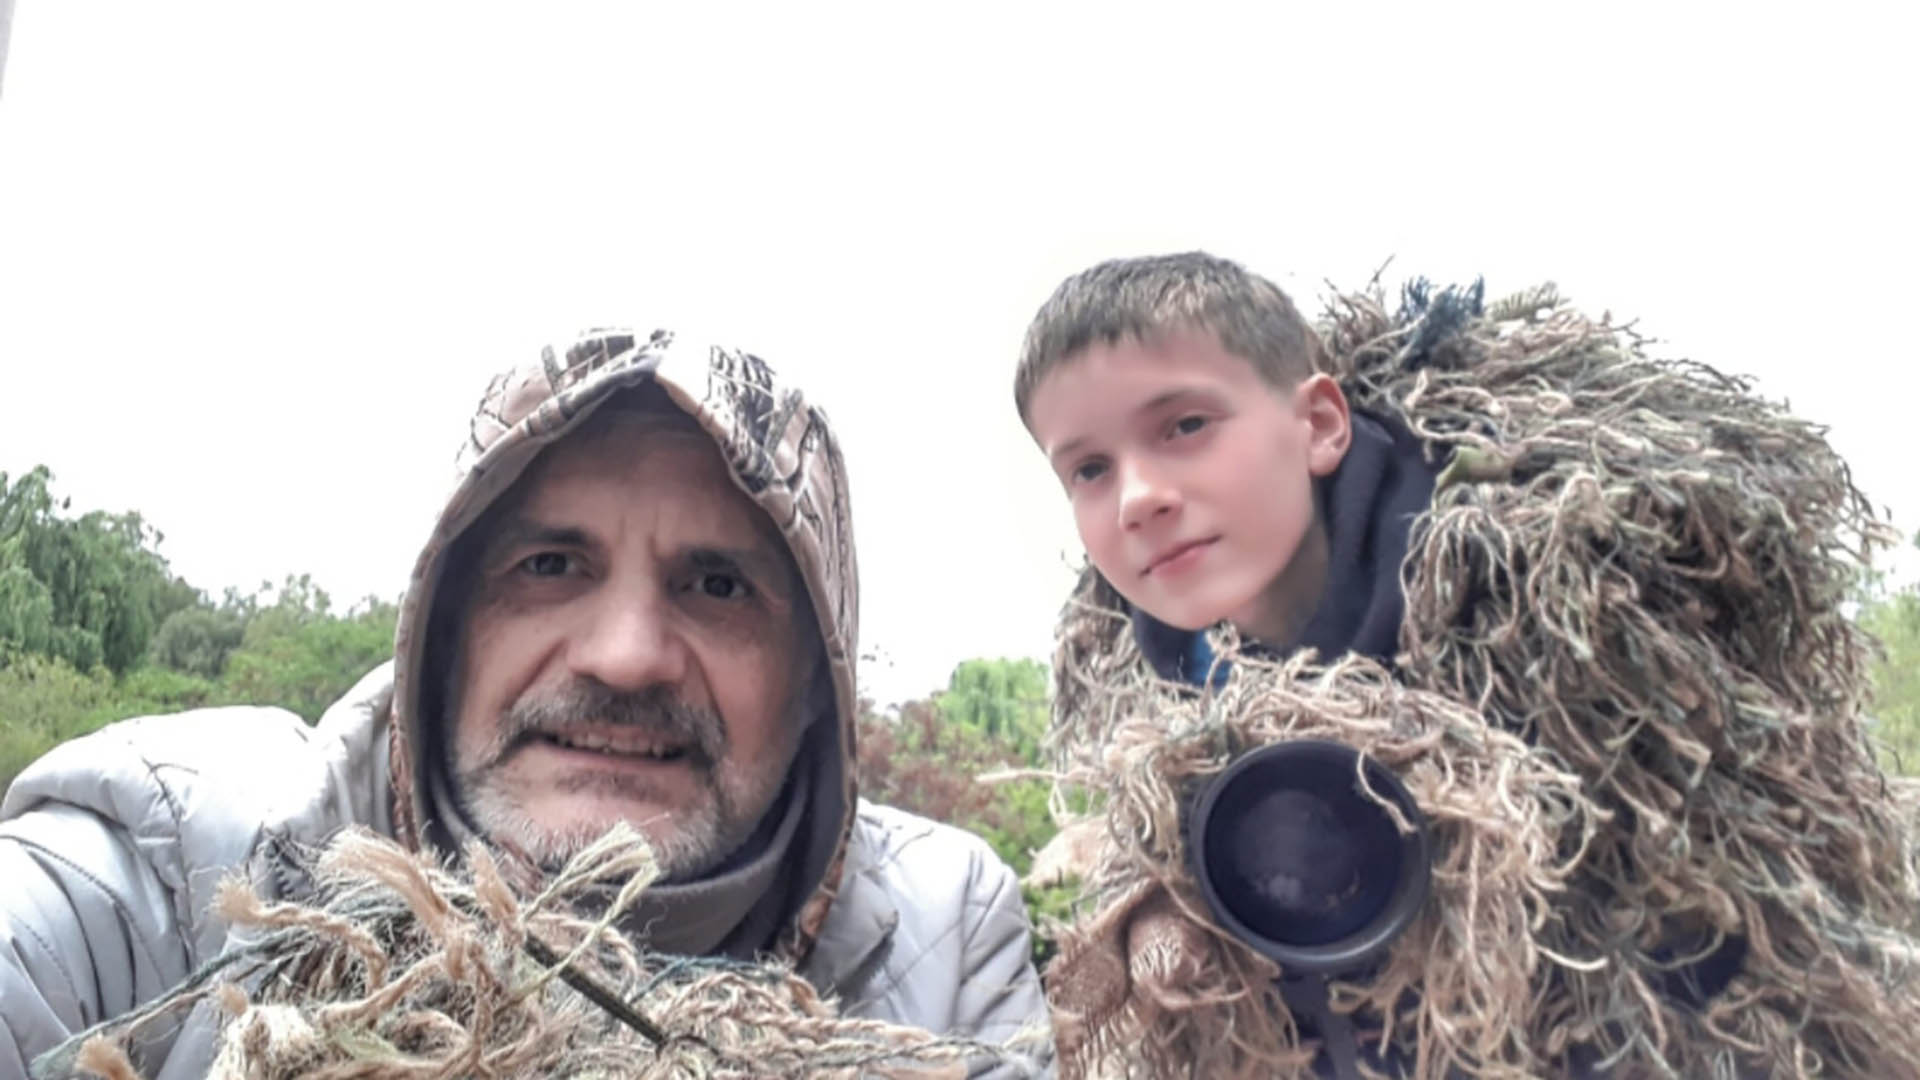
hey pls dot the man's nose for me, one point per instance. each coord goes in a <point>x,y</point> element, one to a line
<point>1145,493</point>
<point>629,640</point>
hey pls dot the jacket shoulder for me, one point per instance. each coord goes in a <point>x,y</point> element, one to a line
<point>923,911</point>
<point>907,889</point>
<point>194,792</point>
<point>153,774</point>
<point>922,854</point>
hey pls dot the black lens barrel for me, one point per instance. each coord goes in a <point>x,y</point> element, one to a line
<point>1305,865</point>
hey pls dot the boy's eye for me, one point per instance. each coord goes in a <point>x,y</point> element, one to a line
<point>545,564</point>
<point>1189,425</point>
<point>1088,471</point>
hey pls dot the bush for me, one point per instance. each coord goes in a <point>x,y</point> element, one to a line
<point>1895,620</point>
<point>197,640</point>
<point>305,665</point>
<point>292,654</point>
<point>44,702</point>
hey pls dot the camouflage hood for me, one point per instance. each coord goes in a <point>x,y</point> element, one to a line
<point>779,450</point>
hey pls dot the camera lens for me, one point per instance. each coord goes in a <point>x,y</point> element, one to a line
<point>1302,862</point>
<point>1304,868</point>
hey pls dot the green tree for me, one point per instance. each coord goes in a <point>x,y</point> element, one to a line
<point>83,601</point>
<point>44,701</point>
<point>1893,616</point>
<point>26,613</point>
<point>197,640</point>
<point>1004,700</point>
<point>88,590</point>
<point>296,654</point>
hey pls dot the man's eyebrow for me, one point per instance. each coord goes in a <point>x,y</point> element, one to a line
<point>761,565</point>
<point>520,531</point>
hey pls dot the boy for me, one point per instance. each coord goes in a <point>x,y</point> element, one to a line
<point>1637,565</point>
<point>1216,471</point>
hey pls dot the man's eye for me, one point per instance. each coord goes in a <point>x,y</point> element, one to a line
<point>545,564</point>
<point>1189,425</point>
<point>723,586</point>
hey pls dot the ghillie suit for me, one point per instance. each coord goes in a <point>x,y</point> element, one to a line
<point>1627,699</point>
<point>395,968</point>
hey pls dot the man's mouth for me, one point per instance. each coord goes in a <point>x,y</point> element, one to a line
<point>615,741</point>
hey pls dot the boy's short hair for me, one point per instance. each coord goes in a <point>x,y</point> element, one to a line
<point>1139,297</point>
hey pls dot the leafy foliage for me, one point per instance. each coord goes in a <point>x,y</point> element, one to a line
<point>918,761</point>
<point>292,652</point>
<point>45,701</point>
<point>1005,701</point>
<point>296,654</point>
<point>197,640</point>
<point>88,590</point>
<point>94,628</point>
<point>1893,616</point>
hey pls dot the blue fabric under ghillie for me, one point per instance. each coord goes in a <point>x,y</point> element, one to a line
<point>1437,317</point>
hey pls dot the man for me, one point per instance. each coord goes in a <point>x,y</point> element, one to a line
<point>639,604</point>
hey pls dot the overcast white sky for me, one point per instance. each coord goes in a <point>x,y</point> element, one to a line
<point>257,260</point>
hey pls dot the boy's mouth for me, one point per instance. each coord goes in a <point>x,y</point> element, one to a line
<point>1176,556</point>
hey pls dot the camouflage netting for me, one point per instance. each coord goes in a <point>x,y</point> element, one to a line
<point>399,970</point>
<point>1630,705</point>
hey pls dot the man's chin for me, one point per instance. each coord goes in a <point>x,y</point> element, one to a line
<point>552,833</point>
<point>572,827</point>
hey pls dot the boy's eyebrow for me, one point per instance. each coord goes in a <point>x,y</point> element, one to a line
<point>1065,448</point>
<point>1158,400</point>
<point>1166,396</point>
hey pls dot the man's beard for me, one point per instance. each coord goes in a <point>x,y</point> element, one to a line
<point>698,837</point>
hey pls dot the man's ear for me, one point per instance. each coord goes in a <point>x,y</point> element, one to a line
<point>1323,405</point>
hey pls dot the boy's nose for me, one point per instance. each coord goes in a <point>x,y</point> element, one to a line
<point>628,641</point>
<point>1144,495</point>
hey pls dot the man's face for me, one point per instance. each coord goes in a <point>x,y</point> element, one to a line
<point>1191,477</point>
<point>636,647</point>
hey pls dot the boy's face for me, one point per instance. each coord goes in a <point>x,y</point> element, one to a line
<point>1191,477</point>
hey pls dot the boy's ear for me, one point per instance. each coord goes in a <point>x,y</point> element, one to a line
<point>1323,405</point>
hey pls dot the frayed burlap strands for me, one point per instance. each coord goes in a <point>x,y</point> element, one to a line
<point>397,969</point>
<point>1639,568</point>
<point>1642,566</point>
<point>1149,982</point>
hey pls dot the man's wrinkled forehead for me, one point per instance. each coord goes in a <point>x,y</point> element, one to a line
<point>617,439</point>
<point>623,444</point>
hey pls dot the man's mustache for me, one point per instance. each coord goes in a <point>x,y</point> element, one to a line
<point>657,712</point>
